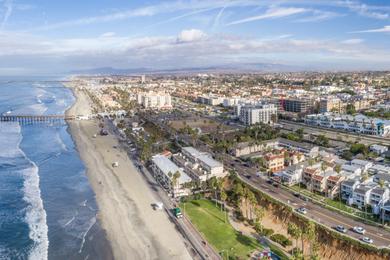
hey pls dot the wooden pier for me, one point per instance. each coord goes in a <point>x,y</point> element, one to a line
<point>32,119</point>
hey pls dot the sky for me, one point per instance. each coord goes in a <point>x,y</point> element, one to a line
<point>41,37</point>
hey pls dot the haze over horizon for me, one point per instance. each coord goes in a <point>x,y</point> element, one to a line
<point>49,37</point>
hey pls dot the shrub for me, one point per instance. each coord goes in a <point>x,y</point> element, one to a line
<point>281,239</point>
<point>267,232</point>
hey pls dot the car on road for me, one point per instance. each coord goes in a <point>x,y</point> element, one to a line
<point>248,176</point>
<point>359,230</point>
<point>275,184</point>
<point>341,229</point>
<point>367,240</point>
<point>302,210</point>
<point>296,194</point>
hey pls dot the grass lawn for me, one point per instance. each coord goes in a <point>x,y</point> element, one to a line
<point>210,221</point>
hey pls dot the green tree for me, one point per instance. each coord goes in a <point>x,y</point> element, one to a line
<point>295,232</point>
<point>310,234</point>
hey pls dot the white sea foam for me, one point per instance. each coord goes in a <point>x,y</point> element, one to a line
<point>10,138</point>
<point>35,214</point>
<point>92,222</point>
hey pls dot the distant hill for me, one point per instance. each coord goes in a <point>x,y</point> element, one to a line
<point>248,67</point>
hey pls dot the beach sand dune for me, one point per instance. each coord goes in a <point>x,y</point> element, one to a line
<point>133,228</point>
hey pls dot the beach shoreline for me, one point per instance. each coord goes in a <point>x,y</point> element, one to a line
<point>133,228</point>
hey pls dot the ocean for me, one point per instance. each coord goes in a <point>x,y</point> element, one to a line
<point>47,208</point>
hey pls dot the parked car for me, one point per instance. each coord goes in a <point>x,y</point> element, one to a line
<point>341,229</point>
<point>302,210</point>
<point>359,230</point>
<point>296,194</point>
<point>367,240</point>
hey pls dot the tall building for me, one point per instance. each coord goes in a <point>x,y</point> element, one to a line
<point>143,79</point>
<point>297,105</point>
<point>250,114</point>
<point>332,104</point>
<point>154,100</point>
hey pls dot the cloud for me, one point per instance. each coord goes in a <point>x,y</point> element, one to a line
<point>108,34</point>
<point>352,41</point>
<point>385,29</point>
<point>271,14</point>
<point>318,15</point>
<point>366,10</point>
<point>8,7</point>
<point>191,35</point>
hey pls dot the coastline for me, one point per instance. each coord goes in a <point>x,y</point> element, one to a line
<point>133,228</point>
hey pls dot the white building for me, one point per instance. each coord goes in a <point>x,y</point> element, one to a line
<point>347,188</point>
<point>378,149</point>
<point>293,174</point>
<point>362,164</point>
<point>358,124</point>
<point>199,165</point>
<point>164,171</point>
<point>211,100</point>
<point>250,115</point>
<point>351,171</point>
<point>361,195</point>
<point>154,100</point>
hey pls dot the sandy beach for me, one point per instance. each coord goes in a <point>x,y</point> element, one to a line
<point>134,229</point>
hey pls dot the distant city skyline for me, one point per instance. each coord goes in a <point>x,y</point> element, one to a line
<point>48,37</point>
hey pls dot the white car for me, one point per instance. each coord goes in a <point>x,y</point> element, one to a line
<point>302,210</point>
<point>367,240</point>
<point>341,229</point>
<point>359,230</point>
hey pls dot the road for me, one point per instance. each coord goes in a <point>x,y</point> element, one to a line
<point>194,241</point>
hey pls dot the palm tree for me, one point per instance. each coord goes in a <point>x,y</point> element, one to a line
<point>310,234</point>
<point>381,183</point>
<point>295,232</point>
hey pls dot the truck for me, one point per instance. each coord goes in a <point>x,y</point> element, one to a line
<point>177,213</point>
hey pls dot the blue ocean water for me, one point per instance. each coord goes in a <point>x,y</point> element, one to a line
<point>47,208</point>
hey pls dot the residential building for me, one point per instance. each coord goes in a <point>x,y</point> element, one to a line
<point>199,165</point>
<point>361,195</point>
<point>379,195</point>
<point>154,100</point>
<point>166,172</point>
<point>254,114</point>
<point>210,99</point>
<point>301,105</point>
<point>333,184</point>
<point>274,162</point>
<point>293,174</point>
<point>379,169</point>
<point>378,149</point>
<point>347,188</point>
<point>351,170</point>
<point>356,124</point>
<point>362,164</point>
<point>332,104</point>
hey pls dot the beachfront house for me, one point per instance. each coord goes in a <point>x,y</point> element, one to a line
<point>170,176</point>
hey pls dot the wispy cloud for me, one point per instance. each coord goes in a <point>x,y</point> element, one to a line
<point>8,7</point>
<point>318,15</point>
<point>272,13</point>
<point>366,10</point>
<point>385,29</point>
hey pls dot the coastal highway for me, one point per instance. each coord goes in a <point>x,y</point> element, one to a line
<point>315,212</point>
<point>194,241</point>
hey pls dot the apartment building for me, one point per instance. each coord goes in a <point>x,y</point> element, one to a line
<point>169,175</point>
<point>199,165</point>
<point>333,184</point>
<point>296,105</point>
<point>254,114</point>
<point>154,100</point>
<point>274,162</point>
<point>211,100</point>
<point>347,188</point>
<point>357,124</point>
<point>332,104</point>
<point>292,175</point>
